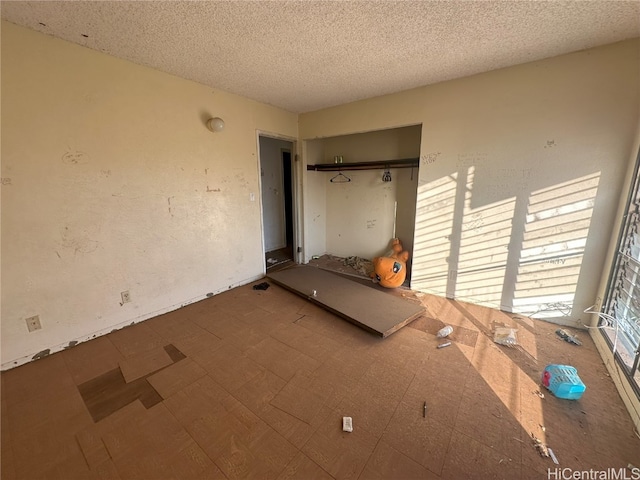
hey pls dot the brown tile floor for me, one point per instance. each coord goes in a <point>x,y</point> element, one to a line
<point>268,376</point>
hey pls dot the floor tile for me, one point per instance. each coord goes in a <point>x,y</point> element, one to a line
<point>216,430</point>
<point>342,454</point>
<point>306,341</point>
<point>258,392</point>
<point>49,410</point>
<point>51,450</point>
<point>192,344</point>
<point>143,364</point>
<point>71,467</point>
<point>386,463</point>
<point>228,366</point>
<point>353,362</point>
<point>109,392</point>
<point>303,468</point>
<point>370,408</point>
<point>136,339</point>
<point>203,397</point>
<point>257,395</point>
<point>298,402</point>
<point>106,471</point>
<point>280,359</point>
<point>296,431</point>
<point>443,402</point>
<point>261,455</point>
<point>467,458</point>
<point>174,326</point>
<point>155,445</point>
<point>424,439</point>
<point>247,338</point>
<point>175,377</point>
<point>90,359</point>
<point>35,379</point>
<point>484,417</point>
<point>92,447</point>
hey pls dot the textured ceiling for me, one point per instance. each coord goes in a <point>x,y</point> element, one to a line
<point>307,55</point>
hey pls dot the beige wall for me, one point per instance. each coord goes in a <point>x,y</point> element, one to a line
<point>521,171</point>
<point>111,182</point>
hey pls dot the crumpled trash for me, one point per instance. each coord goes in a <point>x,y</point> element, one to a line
<point>505,336</point>
<point>567,337</point>
<point>540,447</point>
<point>445,331</point>
<point>361,265</point>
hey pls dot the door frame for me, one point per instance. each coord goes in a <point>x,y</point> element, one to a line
<point>290,187</point>
<point>296,192</point>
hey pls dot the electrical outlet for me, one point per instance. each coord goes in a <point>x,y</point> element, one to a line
<point>33,323</point>
<point>126,297</point>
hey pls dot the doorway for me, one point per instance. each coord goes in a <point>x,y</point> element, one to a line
<point>277,177</point>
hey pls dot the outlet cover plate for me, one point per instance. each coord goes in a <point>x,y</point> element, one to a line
<point>33,323</point>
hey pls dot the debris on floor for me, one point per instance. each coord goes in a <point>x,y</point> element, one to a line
<point>505,336</point>
<point>539,393</point>
<point>261,286</point>
<point>539,446</point>
<point>361,265</point>
<point>347,424</point>
<point>424,410</point>
<point>567,337</point>
<point>553,456</point>
<point>445,332</point>
<point>442,345</point>
<point>272,261</point>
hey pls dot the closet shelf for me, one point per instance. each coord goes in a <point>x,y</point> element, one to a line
<point>374,165</point>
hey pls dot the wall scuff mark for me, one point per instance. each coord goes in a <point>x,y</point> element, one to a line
<point>75,158</point>
<point>81,244</point>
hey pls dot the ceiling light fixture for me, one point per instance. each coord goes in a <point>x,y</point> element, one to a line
<point>215,124</point>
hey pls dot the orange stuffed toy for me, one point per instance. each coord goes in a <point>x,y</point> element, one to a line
<point>391,270</point>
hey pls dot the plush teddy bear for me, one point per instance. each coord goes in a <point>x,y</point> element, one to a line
<point>391,270</point>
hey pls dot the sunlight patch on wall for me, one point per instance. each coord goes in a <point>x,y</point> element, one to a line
<point>484,248</point>
<point>555,236</point>
<point>432,242</point>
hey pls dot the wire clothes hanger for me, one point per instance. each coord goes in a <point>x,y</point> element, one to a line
<point>340,178</point>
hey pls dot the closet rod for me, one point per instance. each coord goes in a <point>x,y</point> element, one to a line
<point>374,165</point>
